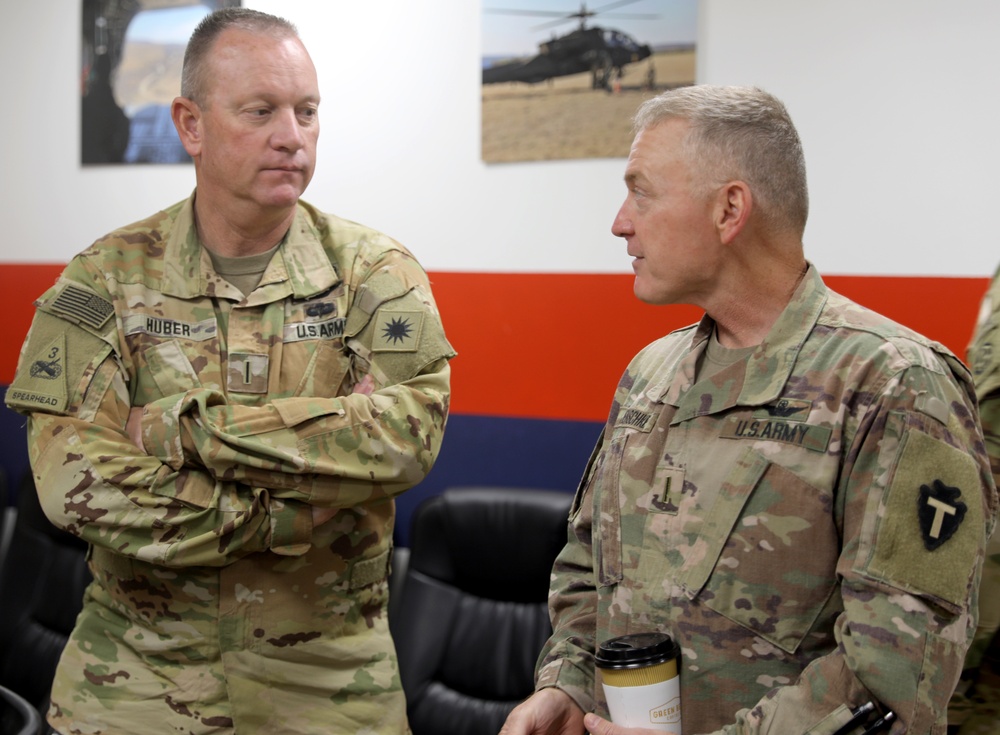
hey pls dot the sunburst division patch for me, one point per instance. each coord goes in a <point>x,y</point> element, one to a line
<point>397,331</point>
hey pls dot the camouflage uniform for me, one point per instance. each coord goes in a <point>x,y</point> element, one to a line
<point>216,606</point>
<point>976,706</point>
<point>808,524</point>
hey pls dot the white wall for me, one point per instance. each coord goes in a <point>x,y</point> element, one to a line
<point>896,101</point>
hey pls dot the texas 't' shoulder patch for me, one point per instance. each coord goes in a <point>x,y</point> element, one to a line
<point>940,512</point>
<point>931,525</point>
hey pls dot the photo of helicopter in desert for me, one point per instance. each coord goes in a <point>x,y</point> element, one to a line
<point>561,83</point>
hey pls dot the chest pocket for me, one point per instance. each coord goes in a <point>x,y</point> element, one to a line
<point>769,555</point>
<point>314,359</point>
<point>622,494</point>
<point>165,351</point>
<point>607,527</point>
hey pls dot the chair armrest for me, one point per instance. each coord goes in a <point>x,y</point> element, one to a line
<point>17,716</point>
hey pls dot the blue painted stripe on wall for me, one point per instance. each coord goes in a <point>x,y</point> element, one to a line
<point>13,449</point>
<point>503,452</point>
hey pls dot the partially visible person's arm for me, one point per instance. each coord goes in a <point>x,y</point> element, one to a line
<point>989,587</point>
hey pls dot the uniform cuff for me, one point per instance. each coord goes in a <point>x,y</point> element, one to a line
<point>291,527</point>
<point>160,435</point>
<point>566,676</point>
<point>163,436</point>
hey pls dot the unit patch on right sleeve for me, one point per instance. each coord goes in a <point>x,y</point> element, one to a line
<point>932,524</point>
<point>56,366</point>
<point>940,513</point>
<point>40,384</point>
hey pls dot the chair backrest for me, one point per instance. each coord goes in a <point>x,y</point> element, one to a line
<point>473,615</point>
<point>42,578</point>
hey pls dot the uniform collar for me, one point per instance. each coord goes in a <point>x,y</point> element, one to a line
<point>762,377</point>
<point>300,268</point>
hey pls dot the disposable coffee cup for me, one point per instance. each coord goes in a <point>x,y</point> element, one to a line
<point>639,673</point>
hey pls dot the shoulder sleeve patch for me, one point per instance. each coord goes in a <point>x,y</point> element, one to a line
<point>57,363</point>
<point>932,528</point>
<point>40,385</point>
<point>397,331</point>
<point>81,306</point>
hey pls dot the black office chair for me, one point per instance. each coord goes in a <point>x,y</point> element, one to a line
<point>17,715</point>
<point>42,578</point>
<point>8,515</point>
<point>472,614</point>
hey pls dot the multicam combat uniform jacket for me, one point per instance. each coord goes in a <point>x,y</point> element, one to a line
<point>977,705</point>
<point>808,524</point>
<point>216,605</point>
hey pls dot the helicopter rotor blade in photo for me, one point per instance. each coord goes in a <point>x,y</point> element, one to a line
<point>603,52</point>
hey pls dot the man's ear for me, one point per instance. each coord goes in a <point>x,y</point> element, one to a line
<point>732,212</point>
<point>187,119</point>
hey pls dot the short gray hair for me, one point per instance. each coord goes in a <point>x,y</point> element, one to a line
<point>210,28</point>
<point>740,133</point>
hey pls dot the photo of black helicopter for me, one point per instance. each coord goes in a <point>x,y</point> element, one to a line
<point>603,52</point>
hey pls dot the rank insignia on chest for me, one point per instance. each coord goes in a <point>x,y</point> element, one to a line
<point>247,373</point>
<point>940,513</point>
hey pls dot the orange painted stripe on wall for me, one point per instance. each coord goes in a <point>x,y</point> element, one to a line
<point>554,345</point>
<point>20,284</point>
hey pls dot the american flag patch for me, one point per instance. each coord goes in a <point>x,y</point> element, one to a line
<point>83,306</point>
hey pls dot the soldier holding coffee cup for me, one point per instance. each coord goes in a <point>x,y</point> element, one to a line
<point>795,490</point>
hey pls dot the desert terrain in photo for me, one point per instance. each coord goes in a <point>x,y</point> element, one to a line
<point>564,118</point>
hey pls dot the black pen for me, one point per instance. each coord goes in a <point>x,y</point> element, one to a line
<point>858,715</point>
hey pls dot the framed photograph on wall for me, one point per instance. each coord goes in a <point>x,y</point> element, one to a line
<point>562,80</point>
<point>130,72</point>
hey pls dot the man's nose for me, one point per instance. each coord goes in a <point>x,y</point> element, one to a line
<point>622,226</point>
<point>287,132</point>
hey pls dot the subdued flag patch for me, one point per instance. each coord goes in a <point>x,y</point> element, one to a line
<point>82,306</point>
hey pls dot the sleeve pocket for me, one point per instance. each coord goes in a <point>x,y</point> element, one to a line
<point>931,522</point>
